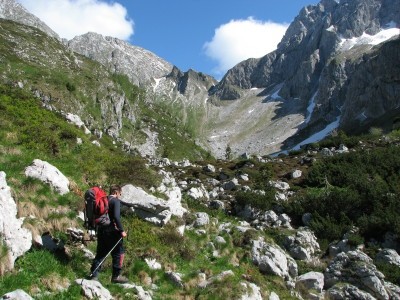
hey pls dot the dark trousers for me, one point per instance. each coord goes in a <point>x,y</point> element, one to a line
<point>106,240</point>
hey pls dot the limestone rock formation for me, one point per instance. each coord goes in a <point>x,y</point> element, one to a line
<point>49,174</point>
<point>17,239</point>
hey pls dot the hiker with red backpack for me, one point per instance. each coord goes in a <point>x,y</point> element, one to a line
<point>110,234</point>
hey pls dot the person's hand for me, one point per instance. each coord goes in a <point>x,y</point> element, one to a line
<point>123,234</point>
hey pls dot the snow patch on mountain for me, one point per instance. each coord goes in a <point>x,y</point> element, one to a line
<point>366,39</point>
<point>310,109</point>
<point>316,137</point>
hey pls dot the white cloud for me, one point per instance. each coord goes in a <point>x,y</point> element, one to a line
<point>70,18</point>
<point>242,39</point>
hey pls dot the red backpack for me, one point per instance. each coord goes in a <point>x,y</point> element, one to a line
<point>96,208</point>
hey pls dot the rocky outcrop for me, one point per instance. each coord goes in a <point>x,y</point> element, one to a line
<point>148,207</point>
<point>93,289</point>
<point>356,268</point>
<point>310,283</point>
<point>17,295</point>
<point>253,291</point>
<point>12,10</point>
<point>388,256</point>
<point>302,245</point>
<point>18,240</point>
<point>271,259</point>
<point>348,291</point>
<point>140,65</point>
<point>49,174</point>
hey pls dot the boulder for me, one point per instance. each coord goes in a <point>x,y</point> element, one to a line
<point>220,240</point>
<point>93,289</point>
<point>17,295</point>
<point>153,264</point>
<point>202,219</point>
<point>393,290</point>
<point>198,193</point>
<point>217,204</point>
<point>285,220</point>
<point>270,217</point>
<point>279,185</point>
<point>326,152</point>
<point>18,240</point>
<point>273,296</point>
<point>303,245</point>
<point>296,174</point>
<point>76,120</point>
<point>253,292</point>
<point>356,268</point>
<point>49,174</point>
<point>231,185</point>
<point>148,207</point>
<point>209,168</point>
<point>219,277</point>
<point>388,256</point>
<point>343,245</point>
<point>176,278</point>
<point>311,281</point>
<point>348,291</point>
<point>271,259</point>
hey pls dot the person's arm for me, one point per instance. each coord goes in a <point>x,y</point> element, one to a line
<point>117,215</point>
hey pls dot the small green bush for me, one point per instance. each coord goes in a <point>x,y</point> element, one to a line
<point>391,272</point>
<point>256,200</point>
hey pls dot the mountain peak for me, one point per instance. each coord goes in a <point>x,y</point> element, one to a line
<point>12,10</point>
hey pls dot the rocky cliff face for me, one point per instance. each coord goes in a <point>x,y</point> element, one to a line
<point>317,62</point>
<point>141,66</point>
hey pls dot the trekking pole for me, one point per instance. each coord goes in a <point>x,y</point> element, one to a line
<point>91,274</point>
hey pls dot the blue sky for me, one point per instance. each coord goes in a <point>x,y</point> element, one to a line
<point>209,36</point>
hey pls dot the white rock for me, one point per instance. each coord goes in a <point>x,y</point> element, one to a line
<point>93,289</point>
<point>181,229</point>
<point>296,174</point>
<point>272,259</point>
<point>96,143</point>
<point>47,173</point>
<point>17,295</point>
<point>202,219</point>
<point>220,240</point>
<point>175,277</point>
<point>389,256</point>
<point>17,239</point>
<point>280,185</point>
<point>152,263</point>
<point>74,119</point>
<point>348,291</point>
<point>209,168</point>
<point>303,245</point>
<point>311,281</point>
<point>273,296</point>
<point>151,208</point>
<point>356,268</point>
<point>253,292</point>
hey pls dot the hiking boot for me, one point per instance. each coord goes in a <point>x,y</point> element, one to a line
<point>119,279</point>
